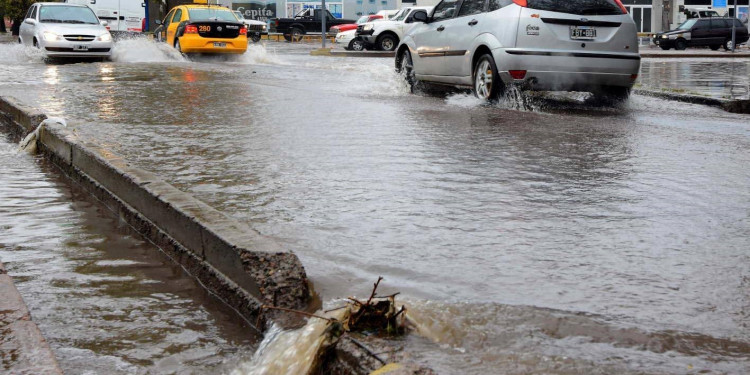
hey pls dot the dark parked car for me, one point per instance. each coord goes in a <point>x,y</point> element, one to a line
<point>306,21</point>
<point>711,32</point>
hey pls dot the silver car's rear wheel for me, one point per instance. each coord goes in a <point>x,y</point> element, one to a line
<point>487,83</point>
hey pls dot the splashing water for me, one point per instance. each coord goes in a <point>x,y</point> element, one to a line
<point>144,50</point>
<point>28,144</point>
<point>17,53</point>
<point>259,54</point>
<point>288,352</point>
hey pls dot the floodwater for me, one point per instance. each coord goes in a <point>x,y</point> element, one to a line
<point>548,237</point>
<point>723,78</point>
<point>106,301</point>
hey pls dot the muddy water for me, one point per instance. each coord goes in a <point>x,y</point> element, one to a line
<point>558,238</point>
<point>718,78</point>
<point>106,301</point>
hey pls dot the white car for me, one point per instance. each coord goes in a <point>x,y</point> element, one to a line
<point>386,35</point>
<point>65,30</point>
<point>571,45</point>
<point>254,28</point>
<point>350,41</point>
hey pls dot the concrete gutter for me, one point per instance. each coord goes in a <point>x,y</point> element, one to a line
<point>233,261</point>
<point>23,350</point>
<point>345,53</point>
<point>729,105</point>
<point>685,55</point>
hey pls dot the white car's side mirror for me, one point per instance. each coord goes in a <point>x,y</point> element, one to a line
<point>104,23</point>
<point>30,21</point>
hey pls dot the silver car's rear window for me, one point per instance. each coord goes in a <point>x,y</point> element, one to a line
<point>67,14</point>
<point>579,7</point>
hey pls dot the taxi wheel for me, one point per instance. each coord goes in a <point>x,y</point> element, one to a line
<point>177,45</point>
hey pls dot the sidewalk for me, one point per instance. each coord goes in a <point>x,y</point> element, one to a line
<point>649,52</point>
<point>23,350</point>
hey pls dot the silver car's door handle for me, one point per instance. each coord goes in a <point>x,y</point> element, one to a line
<point>441,28</point>
<point>473,22</point>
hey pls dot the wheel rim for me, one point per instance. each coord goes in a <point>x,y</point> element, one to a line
<point>483,80</point>
<point>358,46</point>
<point>387,44</point>
<point>296,35</point>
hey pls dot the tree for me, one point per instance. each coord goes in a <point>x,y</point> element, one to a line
<point>15,10</point>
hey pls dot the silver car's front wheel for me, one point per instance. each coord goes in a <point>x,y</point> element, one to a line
<point>406,68</point>
<point>487,84</point>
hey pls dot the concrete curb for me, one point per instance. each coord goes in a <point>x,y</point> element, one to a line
<point>338,53</point>
<point>729,105</point>
<point>726,55</point>
<point>233,261</point>
<point>23,349</point>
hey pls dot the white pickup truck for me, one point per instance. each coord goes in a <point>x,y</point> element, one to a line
<point>386,35</point>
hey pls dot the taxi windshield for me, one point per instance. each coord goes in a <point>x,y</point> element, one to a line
<point>211,14</point>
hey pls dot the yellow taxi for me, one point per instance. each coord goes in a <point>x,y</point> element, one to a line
<point>198,28</point>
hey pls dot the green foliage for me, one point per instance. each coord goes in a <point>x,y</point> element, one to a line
<point>15,9</point>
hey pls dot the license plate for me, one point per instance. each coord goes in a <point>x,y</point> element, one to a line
<point>80,47</point>
<point>220,44</point>
<point>582,32</point>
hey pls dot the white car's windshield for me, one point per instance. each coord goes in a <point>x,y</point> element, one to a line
<point>401,15</point>
<point>688,24</point>
<point>362,20</point>
<point>67,14</point>
<point>211,14</point>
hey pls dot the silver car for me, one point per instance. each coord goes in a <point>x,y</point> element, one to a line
<point>561,45</point>
<point>65,30</point>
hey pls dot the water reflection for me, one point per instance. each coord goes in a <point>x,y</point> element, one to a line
<point>106,300</point>
<point>721,78</point>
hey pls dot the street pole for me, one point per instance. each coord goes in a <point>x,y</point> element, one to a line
<point>323,16</point>
<point>734,27</point>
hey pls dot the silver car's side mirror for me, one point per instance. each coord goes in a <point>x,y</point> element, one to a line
<point>104,23</point>
<point>30,21</point>
<point>419,16</point>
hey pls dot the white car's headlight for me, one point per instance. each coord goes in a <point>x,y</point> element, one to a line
<point>49,36</point>
<point>265,27</point>
<point>368,27</point>
<point>106,37</point>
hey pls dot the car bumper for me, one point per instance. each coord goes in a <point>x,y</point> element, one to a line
<point>568,70</point>
<point>65,48</point>
<point>368,39</point>
<point>342,39</point>
<point>664,42</point>
<point>197,44</point>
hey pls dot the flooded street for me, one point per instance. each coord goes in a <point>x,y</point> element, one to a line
<point>545,237</point>
<point>107,301</point>
<point>717,78</point>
